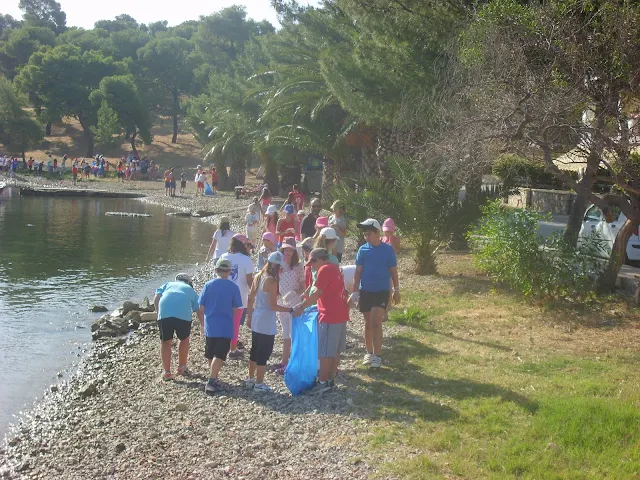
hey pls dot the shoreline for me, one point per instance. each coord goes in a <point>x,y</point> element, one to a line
<point>114,410</point>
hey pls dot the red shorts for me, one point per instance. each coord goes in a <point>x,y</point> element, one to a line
<point>200,185</point>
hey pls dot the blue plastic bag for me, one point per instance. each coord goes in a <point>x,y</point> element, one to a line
<point>207,189</point>
<point>302,368</point>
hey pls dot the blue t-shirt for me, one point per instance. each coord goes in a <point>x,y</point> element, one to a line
<point>219,297</point>
<point>375,262</point>
<point>178,300</point>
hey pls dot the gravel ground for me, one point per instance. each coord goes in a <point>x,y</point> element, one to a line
<point>115,418</point>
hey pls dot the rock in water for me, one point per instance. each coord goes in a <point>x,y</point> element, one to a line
<point>126,214</point>
<point>129,306</point>
<point>147,306</point>
<point>99,309</point>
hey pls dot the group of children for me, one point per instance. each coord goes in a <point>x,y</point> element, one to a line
<point>293,272</point>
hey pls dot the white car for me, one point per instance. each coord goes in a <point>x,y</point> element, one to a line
<point>594,222</point>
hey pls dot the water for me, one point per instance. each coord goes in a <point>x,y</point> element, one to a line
<point>59,256</point>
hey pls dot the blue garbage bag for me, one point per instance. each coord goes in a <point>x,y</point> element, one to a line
<point>302,368</point>
<point>207,189</point>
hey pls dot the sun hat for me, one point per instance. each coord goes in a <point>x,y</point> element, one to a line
<point>223,264</point>
<point>183,277</point>
<point>322,222</point>
<point>306,244</point>
<point>276,258</point>
<point>317,253</point>
<point>337,204</point>
<point>270,237</point>
<point>289,209</point>
<point>288,242</point>
<point>271,209</point>
<point>329,233</point>
<point>370,223</point>
<point>389,225</point>
<point>241,237</point>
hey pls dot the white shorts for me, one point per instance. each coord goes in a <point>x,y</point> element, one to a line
<point>285,321</point>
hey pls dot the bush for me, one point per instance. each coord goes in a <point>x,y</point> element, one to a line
<point>516,171</point>
<point>506,246</point>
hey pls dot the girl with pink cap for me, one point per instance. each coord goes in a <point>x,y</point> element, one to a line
<point>321,222</point>
<point>390,237</point>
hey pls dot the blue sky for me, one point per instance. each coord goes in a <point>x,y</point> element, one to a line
<point>83,13</point>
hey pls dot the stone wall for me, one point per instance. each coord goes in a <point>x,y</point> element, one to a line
<point>547,201</point>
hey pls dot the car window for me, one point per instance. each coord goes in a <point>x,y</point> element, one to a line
<point>594,214</point>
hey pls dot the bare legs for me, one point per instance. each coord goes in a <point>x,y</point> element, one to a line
<point>183,353</point>
<point>257,371</point>
<point>373,330</point>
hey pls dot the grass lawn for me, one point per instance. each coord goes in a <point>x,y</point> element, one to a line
<point>479,383</point>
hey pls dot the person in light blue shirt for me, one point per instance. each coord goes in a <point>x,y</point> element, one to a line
<point>376,268</point>
<point>175,302</point>
<point>220,300</point>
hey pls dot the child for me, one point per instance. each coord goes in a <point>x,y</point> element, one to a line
<point>261,318</point>
<point>338,222</point>
<point>265,199</point>
<point>301,216</point>
<point>200,179</point>
<point>328,239</point>
<point>269,245</point>
<point>271,219</point>
<point>183,182</point>
<point>221,240</point>
<point>252,222</point>
<point>390,237</point>
<point>74,173</point>
<point>321,222</point>
<point>219,303</point>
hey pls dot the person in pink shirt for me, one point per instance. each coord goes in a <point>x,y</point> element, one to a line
<point>390,237</point>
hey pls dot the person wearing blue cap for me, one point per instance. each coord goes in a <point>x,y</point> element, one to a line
<point>261,319</point>
<point>287,226</point>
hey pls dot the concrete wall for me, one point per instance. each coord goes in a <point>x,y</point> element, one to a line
<point>551,201</point>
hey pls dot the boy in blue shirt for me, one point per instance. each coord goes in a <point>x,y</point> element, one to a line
<point>376,267</point>
<point>219,300</point>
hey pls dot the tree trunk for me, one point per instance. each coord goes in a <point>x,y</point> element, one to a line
<point>47,130</point>
<point>290,175</point>
<point>270,172</point>
<point>221,170</point>
<point>133,143</point>
<point>88,134</point>
<point>328,179</point>
<point>237,171</point>
<point>606,283</point>
<point>176,111</point>
<point>577,214</point>
<point>424,257</point>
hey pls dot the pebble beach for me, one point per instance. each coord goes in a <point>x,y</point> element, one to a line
<point>115,418</point>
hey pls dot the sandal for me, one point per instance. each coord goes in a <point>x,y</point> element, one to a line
<point>166,376</point>
<point>184,371</point>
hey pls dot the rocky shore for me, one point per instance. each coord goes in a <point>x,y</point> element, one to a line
<point>115,418</point>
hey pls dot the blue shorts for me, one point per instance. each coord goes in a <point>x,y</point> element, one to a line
<point>167,184</point>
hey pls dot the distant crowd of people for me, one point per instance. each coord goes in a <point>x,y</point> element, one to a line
<point>286,260</point>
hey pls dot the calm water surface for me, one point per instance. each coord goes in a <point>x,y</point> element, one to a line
<point>59,256</point>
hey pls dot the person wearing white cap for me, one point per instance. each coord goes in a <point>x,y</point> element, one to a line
<point>376,267</point>
<point>200,179</point>
<point>261,319</point>
<point>175,302</point>
<point>327,239</point>
<point>271,219</point>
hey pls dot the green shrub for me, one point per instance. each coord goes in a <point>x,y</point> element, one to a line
<point>516,171</point>
<point>506,245</point>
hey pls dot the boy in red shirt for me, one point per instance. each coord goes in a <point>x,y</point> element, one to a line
<point>333,315</point>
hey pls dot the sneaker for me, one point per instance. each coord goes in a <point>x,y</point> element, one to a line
<point>249,383</point>
<point>367,359</point>
<point>331,383</point>
<point>240,345</point>
<point>237,355</point>
<point>319,388</point>
<point>376,361</point>
<point>212,386</point>
<point>261,387</point>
